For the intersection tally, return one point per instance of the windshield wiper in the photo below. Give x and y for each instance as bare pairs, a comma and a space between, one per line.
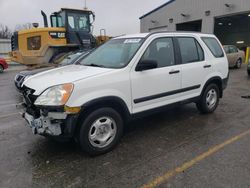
93, 65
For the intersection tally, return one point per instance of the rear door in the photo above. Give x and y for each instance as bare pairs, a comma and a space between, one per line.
194, 67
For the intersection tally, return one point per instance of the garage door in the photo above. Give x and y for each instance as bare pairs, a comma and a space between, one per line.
234, 30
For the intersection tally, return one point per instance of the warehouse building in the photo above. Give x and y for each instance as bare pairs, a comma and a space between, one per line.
229, 20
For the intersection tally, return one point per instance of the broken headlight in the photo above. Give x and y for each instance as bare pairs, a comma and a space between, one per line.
55, 96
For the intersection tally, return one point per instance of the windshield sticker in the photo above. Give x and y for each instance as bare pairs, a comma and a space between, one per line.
132, 41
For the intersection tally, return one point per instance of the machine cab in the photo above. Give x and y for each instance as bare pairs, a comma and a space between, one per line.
78, 26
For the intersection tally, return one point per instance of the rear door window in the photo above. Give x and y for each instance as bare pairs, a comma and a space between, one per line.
213, 46
191, 50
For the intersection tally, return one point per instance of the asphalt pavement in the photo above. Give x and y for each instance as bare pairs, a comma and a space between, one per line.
176, 148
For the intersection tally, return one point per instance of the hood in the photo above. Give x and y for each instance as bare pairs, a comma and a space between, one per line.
33, 72
67, 74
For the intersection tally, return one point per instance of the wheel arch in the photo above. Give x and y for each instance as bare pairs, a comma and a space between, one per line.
216, 80
110, 101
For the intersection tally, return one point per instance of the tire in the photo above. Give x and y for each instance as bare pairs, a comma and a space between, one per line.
248, 72
238, 64
1, 69
101, 131
209, 99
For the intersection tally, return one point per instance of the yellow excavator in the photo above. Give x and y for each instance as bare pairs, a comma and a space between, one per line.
70, 30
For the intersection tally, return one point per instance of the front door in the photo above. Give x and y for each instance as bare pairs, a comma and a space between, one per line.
159, 86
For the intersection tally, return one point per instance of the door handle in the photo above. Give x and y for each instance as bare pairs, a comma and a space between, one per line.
174, 72
207, 66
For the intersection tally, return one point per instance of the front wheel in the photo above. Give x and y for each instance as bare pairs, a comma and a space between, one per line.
101, 131
209, 99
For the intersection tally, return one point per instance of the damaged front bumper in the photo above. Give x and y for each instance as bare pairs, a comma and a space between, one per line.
46, 125
55, 124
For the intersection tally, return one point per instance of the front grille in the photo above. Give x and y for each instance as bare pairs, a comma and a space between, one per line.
14, 41
19, 77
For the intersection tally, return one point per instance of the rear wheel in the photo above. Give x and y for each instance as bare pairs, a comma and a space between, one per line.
1, 68
209, 99
238, 64
101, 131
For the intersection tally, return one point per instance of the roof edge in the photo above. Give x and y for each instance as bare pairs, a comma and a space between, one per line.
154, 10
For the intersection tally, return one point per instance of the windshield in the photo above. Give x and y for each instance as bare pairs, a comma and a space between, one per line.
115, 53
78, 22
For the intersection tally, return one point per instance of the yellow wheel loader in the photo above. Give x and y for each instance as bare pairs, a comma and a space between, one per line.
70, 30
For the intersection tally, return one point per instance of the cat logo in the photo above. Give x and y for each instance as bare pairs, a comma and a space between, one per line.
57, 35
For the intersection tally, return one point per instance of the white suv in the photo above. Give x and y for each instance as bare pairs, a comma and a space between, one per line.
127, 76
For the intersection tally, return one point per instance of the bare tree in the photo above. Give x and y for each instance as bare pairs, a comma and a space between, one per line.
23, 26
5, 32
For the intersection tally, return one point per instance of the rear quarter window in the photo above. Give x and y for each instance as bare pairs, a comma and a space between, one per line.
213, 46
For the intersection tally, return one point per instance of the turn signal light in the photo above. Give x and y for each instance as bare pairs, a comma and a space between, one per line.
72, 110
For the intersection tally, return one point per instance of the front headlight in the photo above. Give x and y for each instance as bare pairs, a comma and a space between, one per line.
55, 96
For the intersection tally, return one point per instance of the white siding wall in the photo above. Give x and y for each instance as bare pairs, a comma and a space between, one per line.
196, 9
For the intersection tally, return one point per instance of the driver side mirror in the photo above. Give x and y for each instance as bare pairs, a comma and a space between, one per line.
146, 65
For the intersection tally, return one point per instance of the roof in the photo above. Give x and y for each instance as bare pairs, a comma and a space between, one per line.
154, 10
139, 35
145, 35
